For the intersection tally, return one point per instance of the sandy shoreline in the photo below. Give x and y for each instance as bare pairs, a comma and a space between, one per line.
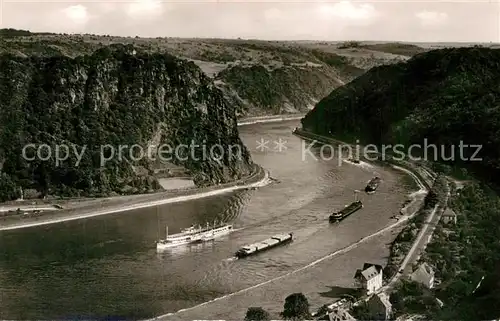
98, 207
269, 119
74, 209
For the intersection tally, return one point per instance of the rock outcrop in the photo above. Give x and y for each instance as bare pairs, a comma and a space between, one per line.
117, 96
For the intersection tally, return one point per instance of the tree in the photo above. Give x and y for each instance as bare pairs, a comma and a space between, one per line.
8, 189
296, 307
257, 314
362, 312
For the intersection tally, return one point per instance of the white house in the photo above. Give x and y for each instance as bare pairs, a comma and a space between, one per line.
449, 216
424, 274
370, 277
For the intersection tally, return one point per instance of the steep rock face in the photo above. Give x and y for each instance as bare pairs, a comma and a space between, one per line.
286, 89
447, 96
116, 97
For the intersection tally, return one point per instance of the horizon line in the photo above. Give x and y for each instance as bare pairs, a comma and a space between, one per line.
52, 33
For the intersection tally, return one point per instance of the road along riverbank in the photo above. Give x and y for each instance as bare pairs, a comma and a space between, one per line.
258, 178
423, 180
424, 174
72, 209
269, 119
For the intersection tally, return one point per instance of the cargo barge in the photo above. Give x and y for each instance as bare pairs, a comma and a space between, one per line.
372, 185
265, 245
348, 210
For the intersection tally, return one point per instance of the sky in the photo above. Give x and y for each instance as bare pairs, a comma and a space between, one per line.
403, 20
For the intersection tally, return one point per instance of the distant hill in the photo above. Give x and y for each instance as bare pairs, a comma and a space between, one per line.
11, 33
257, 77
445, 96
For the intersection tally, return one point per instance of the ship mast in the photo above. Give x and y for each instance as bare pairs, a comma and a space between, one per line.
158, 225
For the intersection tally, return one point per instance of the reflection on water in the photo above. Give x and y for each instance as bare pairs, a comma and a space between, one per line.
184, 249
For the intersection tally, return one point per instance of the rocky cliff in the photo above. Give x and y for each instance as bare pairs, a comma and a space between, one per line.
261, 90
444, 97
93, 104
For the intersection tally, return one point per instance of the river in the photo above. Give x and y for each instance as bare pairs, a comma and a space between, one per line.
107, 266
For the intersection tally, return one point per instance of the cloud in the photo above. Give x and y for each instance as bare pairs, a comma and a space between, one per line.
432, 18
402, 20
348, 11
145, 9
273, 14
106, 7
77, 14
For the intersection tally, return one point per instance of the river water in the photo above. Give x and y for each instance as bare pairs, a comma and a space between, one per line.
107, 266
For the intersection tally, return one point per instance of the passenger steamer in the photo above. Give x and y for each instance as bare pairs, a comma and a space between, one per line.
193, 234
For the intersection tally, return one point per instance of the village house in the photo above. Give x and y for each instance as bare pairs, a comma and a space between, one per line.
369, 278
424, 275
449, 216
379, 307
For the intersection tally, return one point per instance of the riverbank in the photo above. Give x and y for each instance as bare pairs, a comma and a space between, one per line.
425, 175
310, 278
420, 213
36, 212
96, 207
269, 119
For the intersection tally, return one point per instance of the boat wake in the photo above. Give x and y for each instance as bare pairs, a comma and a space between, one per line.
230, 259
264, 182
361, 164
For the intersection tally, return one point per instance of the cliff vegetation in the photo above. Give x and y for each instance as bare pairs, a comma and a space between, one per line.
118, 96
466, 260
445, 97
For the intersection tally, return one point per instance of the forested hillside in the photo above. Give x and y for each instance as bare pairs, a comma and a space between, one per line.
446, 97
116, 96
